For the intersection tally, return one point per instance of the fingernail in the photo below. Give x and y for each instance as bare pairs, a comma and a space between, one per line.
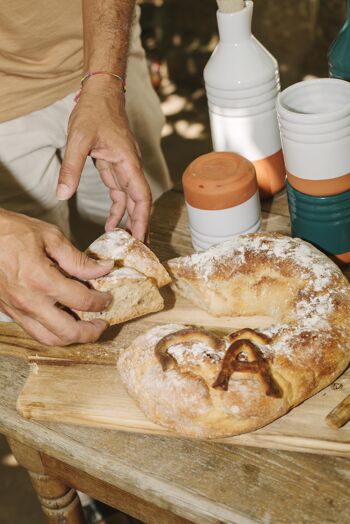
109, 225
63, 192
106, 263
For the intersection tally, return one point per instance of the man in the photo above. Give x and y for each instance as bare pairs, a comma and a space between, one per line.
44, 51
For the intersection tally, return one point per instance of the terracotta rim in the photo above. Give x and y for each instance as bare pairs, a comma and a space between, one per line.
329, 187
342, 259
219, 180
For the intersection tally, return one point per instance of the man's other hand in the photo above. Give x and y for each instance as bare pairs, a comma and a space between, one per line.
98, 127
36, 263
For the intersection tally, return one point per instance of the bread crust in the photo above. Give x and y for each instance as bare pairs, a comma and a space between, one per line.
306, 348
127, 251
134, 281
134, 295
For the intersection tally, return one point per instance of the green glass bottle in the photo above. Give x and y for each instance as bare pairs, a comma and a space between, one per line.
339, 52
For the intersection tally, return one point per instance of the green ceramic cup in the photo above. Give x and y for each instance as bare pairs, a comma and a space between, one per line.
322, 221
338, 54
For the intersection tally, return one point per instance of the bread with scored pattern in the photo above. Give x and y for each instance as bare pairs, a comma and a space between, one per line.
178, 376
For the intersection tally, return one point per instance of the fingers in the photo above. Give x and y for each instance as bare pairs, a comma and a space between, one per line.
34, 328
73, 261
105, 172
73, 294
140, 220
127, 190
118, 196
128, 177
138, 197
64, 326
117, 210
77, 150
54, 327
140, 194
66, 291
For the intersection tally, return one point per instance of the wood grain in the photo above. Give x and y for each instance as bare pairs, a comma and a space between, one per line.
63, 389
132, 505
95, 396
340, 415
59, 503
204, 482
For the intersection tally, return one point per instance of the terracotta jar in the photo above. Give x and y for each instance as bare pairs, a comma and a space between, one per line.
222, 198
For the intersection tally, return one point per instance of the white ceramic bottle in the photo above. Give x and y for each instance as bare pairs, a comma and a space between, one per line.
242, 84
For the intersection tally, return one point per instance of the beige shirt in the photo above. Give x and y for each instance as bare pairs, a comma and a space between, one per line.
41, 53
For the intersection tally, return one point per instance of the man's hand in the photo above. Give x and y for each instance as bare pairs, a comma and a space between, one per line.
32, 287
98, 127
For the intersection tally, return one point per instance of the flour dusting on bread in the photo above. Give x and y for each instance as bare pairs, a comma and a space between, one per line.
249, 379
134, 281
113, 245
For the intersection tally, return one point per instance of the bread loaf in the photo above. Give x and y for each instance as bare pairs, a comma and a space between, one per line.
203, 385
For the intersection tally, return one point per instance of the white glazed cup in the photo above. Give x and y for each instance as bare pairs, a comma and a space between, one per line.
314, 129
315, 101
211, 227
314, 119
320, 139
317, 161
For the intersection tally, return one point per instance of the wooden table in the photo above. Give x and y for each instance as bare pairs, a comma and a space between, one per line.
171, 480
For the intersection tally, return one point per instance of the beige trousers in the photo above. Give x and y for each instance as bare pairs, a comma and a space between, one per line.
32, 146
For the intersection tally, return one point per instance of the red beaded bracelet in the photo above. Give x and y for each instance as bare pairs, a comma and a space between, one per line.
94, 73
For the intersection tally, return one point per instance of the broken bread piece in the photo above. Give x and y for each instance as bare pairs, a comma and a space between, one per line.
118, 245
134, 295
133, 282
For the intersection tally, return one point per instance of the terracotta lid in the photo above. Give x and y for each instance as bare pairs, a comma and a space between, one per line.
219, 181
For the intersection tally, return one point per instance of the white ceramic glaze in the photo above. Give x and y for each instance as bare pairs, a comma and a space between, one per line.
246, 92
320, 138
315, 129
314, 119
239, 61
210, 227
242, 84
321, 161
315, 101
269, 105
245, 104
254, 137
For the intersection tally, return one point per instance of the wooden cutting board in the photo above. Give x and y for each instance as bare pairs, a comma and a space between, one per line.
80, 385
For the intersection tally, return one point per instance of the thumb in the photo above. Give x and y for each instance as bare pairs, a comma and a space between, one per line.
72, 167
75, 262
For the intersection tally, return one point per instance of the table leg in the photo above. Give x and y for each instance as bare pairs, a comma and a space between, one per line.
60, 503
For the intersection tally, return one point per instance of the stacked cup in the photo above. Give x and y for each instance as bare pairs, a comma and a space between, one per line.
314, 119
222, 199
242, 84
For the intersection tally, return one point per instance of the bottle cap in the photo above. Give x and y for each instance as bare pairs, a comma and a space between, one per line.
230, 6
219, 181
